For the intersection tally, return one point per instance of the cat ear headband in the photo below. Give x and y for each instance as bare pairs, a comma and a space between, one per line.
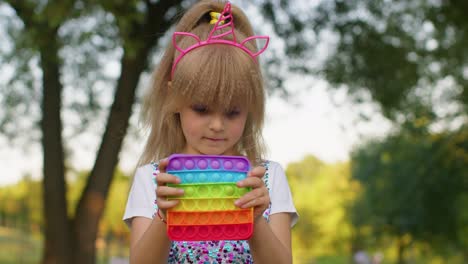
221, 20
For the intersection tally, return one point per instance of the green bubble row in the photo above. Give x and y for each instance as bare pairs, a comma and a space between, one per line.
210, 191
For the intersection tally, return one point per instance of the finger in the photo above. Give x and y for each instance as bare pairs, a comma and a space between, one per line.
246, 198
164, 178
162, 165
253, 182
166, 204
255, 202
258, 171
164, 191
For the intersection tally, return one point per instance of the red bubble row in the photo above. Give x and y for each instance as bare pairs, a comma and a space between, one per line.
210, 232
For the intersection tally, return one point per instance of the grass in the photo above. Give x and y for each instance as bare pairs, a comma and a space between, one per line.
19, 247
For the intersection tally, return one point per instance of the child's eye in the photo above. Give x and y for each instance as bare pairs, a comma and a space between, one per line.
199, 108
233, 113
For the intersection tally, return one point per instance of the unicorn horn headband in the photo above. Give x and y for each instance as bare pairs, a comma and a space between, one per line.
225, 20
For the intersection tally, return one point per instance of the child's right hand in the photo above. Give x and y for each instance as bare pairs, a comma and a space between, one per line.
162, 190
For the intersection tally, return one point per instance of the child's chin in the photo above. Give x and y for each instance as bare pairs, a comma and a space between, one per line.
213, 152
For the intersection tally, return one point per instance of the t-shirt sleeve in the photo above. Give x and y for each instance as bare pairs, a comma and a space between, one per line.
142, 195
280, 193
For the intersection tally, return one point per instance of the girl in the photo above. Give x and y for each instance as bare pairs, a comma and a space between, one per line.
208, 98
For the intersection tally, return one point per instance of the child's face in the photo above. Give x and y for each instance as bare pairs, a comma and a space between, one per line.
212, 131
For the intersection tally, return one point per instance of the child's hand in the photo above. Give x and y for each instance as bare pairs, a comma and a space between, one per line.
258, 197
162, 191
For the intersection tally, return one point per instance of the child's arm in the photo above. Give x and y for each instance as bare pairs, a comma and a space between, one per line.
270, 242
149, 242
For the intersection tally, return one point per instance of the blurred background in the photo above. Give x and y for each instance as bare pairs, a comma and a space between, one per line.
367, 112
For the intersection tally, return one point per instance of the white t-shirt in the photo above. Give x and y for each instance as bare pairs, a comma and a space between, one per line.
143, 193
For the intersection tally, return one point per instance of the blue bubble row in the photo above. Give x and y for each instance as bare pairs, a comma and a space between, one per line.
208, 176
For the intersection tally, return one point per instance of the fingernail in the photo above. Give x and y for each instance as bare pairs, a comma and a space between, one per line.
237, 202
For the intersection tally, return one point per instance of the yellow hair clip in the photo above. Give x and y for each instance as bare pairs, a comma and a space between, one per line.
215, 17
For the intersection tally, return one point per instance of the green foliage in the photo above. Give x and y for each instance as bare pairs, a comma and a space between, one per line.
58, 52
87, 39
321, 194
414, 183
25, 248
401, 52
18, 247
21, 204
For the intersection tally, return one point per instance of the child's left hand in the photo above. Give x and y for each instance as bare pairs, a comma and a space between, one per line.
258, 197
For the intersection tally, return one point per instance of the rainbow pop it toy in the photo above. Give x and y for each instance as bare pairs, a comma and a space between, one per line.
206, 211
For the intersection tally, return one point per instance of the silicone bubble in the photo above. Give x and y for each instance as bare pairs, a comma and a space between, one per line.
216, 232
206, 210
203, 232
244, 216
191, 232
229, 231
244, 230
229, 216
176, 232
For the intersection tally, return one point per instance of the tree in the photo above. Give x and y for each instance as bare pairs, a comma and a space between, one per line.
410, 58
73, 241
414, 187
403, 53
131, 29
321, 195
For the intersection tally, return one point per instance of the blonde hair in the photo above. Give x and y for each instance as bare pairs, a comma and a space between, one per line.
220, 76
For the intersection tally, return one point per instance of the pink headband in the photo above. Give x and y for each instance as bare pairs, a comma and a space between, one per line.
226, 20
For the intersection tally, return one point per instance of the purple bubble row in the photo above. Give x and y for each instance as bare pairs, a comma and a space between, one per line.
195, 162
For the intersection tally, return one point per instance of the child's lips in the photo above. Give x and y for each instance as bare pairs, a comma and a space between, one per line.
214, 139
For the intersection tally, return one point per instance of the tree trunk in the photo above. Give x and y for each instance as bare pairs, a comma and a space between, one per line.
91, 205
92, 202
57, 248
401, 250
64, 242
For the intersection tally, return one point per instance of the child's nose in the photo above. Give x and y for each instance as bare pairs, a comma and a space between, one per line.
217, 122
